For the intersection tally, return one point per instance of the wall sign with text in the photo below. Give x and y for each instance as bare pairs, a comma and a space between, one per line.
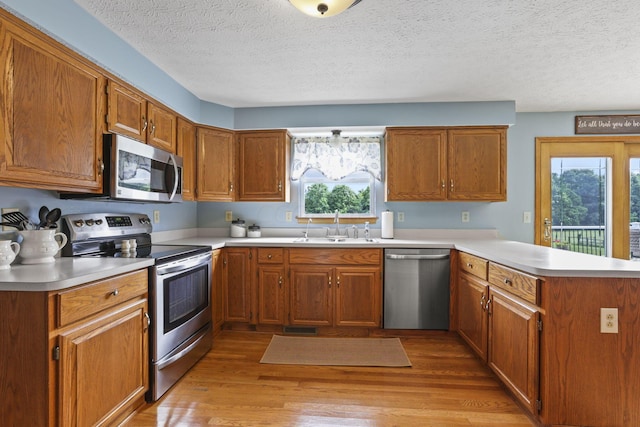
607, 124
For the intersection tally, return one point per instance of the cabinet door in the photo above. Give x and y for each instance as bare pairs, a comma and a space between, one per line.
217, 290
104, 367
186, 146
477, 164
472, 317
52, 109
271, 295
415, 164
513, 345
215, 165
262, 166
127, 112
358, 296
162, 128
310, 295
237, 285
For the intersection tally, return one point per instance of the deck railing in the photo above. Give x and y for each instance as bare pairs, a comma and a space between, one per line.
584, 239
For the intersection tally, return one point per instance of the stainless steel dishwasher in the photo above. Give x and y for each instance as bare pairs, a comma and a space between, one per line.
416, 288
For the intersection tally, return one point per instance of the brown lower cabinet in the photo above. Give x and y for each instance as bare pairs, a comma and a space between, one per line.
304, 287
541, 337
75, 357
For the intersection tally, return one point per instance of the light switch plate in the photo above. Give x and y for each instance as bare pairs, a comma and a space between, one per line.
466, 217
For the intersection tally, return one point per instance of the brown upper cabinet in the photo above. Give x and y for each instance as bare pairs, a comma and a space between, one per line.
243, 166
215, 181
263, 166
52, 104
131, 114
186, 146
466, 163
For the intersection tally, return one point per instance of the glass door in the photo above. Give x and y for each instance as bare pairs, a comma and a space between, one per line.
582, 195
581, 204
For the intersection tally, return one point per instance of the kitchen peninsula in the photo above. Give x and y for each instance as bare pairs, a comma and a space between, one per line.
555, 363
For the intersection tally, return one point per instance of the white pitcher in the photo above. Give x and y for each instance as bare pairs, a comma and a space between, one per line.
40, 246
8, 252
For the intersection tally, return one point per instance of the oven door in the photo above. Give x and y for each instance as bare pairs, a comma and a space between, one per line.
181, 302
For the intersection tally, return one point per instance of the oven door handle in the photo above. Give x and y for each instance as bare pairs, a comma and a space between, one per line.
179, 355
183, 264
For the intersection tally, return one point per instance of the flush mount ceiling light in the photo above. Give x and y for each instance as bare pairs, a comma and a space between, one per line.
323, 8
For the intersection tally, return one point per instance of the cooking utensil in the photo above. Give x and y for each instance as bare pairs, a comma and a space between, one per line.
42, 215
52, 218
15, 225
15, 217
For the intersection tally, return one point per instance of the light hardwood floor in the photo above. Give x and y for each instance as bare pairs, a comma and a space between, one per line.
446, 387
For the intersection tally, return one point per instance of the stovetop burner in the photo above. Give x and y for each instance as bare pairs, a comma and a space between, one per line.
105, 235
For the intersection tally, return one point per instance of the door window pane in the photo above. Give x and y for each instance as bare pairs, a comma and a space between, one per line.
580, 204
634, 211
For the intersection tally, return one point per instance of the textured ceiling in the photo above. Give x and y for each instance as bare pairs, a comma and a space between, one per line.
546, 55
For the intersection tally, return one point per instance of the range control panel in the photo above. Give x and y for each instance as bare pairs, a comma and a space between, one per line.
93, 225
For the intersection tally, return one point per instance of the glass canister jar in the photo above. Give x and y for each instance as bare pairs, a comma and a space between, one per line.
238, 228
254, 231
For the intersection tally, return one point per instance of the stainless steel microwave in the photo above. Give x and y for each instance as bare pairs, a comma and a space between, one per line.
135, 171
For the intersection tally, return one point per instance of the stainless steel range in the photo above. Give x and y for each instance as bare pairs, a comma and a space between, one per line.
179, 288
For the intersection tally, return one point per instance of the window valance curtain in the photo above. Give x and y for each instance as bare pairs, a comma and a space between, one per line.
336, 159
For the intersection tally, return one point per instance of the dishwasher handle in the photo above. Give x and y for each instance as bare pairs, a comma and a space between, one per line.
418, 257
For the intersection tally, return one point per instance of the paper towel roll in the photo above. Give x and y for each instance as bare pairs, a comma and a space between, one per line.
387, 225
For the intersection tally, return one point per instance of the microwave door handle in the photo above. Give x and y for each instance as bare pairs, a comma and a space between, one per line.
176, 178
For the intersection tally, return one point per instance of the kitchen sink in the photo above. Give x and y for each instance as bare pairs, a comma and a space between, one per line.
334, 239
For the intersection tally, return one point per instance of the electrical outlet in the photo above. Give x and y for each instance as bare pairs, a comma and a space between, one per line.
526, 217
288, 216
228, 216
156, 217
466, 217
609, 320
400, 216
6, 211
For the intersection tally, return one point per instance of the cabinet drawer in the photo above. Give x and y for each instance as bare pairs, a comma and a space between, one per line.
474, 265
270, 255
335, 256
78, 303
515, 282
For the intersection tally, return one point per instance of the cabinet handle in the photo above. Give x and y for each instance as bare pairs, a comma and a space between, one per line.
507, 282
329, 281
145, 123
443, 185
451, 185
153, 128
101, 167
115, 292
338, 281
146, 315
482, 298
279, 185
280, 282
230, 187
488, 306
269, 256
469, 265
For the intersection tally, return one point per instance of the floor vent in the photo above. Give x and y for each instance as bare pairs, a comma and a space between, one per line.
299, 330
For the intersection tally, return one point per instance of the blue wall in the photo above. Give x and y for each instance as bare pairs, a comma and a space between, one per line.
73, 26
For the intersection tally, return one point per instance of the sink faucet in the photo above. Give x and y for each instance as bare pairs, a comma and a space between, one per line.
336, 221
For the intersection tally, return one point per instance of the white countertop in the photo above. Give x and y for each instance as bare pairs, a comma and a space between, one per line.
533, 259
66, 272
